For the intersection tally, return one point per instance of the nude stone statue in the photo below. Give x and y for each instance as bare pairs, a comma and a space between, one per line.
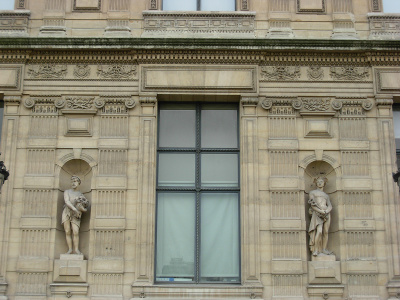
320, 218
75, 205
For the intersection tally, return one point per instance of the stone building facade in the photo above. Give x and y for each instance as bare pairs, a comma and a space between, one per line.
126, 94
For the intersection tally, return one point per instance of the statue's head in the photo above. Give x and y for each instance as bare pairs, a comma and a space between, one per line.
320, 181
75, 181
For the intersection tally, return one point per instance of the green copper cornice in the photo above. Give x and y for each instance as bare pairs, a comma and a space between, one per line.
191, 43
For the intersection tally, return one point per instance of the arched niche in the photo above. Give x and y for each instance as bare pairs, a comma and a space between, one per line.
324, 169
83, 170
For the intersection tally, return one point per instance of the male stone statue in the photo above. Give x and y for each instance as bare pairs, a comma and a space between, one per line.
75, 204
320, 218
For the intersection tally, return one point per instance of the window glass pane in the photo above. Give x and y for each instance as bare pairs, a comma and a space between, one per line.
219, 169
176, 169
180, 5
175, 237
218, 127
1, 117
220, 5
219, 258
396, 124
177, 126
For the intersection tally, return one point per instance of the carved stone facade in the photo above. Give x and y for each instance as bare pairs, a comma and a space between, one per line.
84, 83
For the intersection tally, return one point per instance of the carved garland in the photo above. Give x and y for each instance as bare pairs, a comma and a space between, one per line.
319, 104
349, 73
280, 73
79, 102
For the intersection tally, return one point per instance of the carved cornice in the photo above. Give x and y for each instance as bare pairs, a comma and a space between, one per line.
200, 43
249, 100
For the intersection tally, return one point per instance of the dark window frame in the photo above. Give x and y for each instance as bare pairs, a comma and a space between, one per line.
198, 190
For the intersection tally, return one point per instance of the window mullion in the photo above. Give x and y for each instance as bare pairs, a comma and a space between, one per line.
198, 5
198, 174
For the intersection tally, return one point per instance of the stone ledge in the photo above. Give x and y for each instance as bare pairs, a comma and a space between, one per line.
195, 292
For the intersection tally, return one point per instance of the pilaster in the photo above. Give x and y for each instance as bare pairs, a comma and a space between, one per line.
146, 185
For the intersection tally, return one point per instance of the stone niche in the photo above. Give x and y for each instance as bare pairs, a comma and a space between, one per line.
324, 269
84, 172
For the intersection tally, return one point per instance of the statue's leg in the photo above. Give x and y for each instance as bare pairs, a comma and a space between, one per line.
325, 233
67, 228
318, 240
75, 234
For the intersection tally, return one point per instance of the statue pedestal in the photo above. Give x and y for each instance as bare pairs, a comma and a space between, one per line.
70, 272
70, 268
324, 277
3, 288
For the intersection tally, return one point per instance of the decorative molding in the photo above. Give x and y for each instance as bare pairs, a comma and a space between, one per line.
349, 73
117, 27
280, 73
14, 23
47, 71
10, 77
315, 73
80, 5
127, 100
116, 71
82, 71
21, 4
245, 4
315, 6
79, 102
316, 104
287, 104
199, 78
153, 4
280, 29
12, 99
376, 5
384, 26
198, 24
387, 80
53, 27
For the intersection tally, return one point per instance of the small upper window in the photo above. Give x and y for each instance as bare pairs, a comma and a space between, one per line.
200, 5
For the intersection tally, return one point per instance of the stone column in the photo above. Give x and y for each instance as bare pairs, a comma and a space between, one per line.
390, 191
8, 155
250, 203
145, 227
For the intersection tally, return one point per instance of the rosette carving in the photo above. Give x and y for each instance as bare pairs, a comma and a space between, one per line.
297, 104
99, 103
367, 104
130, 103
337, 104
29, 102
266, 103
59, 103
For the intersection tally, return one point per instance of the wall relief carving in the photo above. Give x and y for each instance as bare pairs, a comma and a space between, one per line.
79, 102
47, 71
315, 73
280, 73
349, 73
316, 104
116, 71
82, 71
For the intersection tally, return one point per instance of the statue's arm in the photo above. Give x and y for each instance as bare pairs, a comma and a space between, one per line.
67, 200
313, 206
328, 201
